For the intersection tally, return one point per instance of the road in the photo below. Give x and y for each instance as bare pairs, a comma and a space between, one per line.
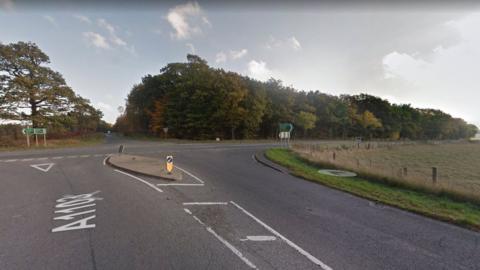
66, 209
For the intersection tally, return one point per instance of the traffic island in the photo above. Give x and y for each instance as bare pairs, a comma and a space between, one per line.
143, 165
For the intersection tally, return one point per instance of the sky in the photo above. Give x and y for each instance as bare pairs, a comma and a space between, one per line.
427, 56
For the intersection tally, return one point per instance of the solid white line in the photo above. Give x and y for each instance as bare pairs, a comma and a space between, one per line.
232, 248
180, 184
105, 160
194, 177
290, 243
205, 203
141, 180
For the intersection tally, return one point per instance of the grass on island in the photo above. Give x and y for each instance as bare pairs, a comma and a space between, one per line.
78, 141
463, 213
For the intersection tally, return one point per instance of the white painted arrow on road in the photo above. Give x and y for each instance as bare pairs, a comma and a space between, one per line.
44, 167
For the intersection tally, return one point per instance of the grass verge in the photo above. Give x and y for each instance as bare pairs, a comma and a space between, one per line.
465, 214
87, 140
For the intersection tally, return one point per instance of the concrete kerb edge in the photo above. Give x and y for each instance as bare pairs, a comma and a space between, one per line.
107, 161
266, 164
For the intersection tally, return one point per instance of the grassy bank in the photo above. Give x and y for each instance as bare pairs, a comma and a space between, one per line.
466, 214
86, 140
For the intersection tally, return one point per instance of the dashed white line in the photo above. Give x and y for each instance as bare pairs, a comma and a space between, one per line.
59, 157
232, 248
72, 156
187, 211
180, 184
10, 160
27, 159
42, 158
141, 180
259, 238
84, 156
194, 177
290, 243
98, 155
205, 203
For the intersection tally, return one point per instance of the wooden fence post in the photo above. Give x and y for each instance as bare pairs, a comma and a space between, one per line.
434, 175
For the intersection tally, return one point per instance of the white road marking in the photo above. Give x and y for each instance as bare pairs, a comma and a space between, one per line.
205, 203
180, 184
27, 159
78, 202
232, 248
72, 156
59, 157
105, 160
42, 158
259, 238
10, 160
141, 180
223, 241
194, 177
98, 155
45, 167
290, 243
84, 156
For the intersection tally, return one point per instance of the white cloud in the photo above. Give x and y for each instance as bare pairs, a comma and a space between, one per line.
190, 47
113, 40
294, 43
83, 18
259, 70
96, 40
50, 19
291, 43
447, 75
221, 57
105, 107
238, 54
6, 5
186, 20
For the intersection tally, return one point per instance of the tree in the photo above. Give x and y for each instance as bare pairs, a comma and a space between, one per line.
306, 121
29, 90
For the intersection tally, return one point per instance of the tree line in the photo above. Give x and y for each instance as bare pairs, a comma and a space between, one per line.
37, 96
196, 101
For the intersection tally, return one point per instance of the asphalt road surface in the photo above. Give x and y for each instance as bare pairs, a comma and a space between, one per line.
66, 209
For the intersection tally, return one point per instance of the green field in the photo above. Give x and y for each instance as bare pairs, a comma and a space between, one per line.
437, 206
457, 164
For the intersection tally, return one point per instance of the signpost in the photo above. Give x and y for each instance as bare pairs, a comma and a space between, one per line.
36, 132
284, 135
165, 131
169, 161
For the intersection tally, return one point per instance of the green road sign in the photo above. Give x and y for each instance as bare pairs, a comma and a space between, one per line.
285, 127
39, 131
27, 131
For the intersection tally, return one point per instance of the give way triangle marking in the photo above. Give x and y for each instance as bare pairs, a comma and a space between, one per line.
43, 167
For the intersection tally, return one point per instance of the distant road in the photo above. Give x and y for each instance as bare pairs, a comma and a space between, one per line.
65, 209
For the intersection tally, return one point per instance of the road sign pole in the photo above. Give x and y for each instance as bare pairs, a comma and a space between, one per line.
45, 139
36, 140
28, 140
